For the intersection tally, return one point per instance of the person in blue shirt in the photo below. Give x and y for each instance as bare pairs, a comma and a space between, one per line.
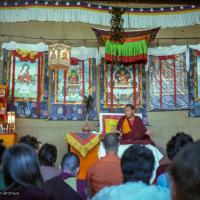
175, 144
137, 164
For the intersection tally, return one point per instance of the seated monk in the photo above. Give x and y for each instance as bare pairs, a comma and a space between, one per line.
132, 129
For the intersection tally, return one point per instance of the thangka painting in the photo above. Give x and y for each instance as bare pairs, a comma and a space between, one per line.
168, 82
194, 83
26, 74
25, 80
69, 87
123, 85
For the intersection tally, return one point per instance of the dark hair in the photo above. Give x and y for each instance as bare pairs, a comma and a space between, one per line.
21, 167
130, 106
2, 149
185, 173
137, 164
70, 161
47, 155
30, 140
176, 143
111, 142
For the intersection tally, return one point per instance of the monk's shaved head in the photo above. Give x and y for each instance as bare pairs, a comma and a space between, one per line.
129, 106
111, 143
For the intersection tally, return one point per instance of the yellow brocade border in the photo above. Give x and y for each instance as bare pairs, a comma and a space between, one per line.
82, 149
24, 53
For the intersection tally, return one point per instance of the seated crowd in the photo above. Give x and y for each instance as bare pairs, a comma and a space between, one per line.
29, 172
28, 169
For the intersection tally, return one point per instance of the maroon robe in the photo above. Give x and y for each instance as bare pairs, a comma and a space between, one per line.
137, 134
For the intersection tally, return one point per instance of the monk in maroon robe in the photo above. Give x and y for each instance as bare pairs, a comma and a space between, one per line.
132, 129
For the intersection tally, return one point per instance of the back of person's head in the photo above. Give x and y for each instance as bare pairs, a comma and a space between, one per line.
31, 141
137, 164
47, 155
176, 143
111, 143
2, 149
21, 167
185, 173
70, 163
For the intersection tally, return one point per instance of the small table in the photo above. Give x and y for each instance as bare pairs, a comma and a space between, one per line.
8, 139
85, 146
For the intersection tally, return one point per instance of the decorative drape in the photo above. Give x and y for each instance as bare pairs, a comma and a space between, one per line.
132, 50
65, 11
128, 52
194, 86
68, 88
121, 85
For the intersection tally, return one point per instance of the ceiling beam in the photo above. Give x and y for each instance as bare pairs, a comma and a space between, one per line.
170, 2
176, 2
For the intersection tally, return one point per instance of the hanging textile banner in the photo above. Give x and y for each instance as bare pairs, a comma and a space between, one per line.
130, 35
132, 50
194, 89
26, 74
168, 82
123, 85
68, 88
86, 12
128, 52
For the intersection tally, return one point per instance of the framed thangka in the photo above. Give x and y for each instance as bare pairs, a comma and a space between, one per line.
123, 85
168, 82
26, 74
68, 86
194, 82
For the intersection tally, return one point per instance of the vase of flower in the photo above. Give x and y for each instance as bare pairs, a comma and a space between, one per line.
88, 101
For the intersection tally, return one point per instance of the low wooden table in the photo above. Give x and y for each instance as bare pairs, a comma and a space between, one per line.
8, 138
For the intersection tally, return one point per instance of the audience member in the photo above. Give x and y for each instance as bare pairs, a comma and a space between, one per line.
137, 165
70, 167
185, 173
107, 170
47, 157
31, 141
22, 174
2, 149
175, 144
66, 185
